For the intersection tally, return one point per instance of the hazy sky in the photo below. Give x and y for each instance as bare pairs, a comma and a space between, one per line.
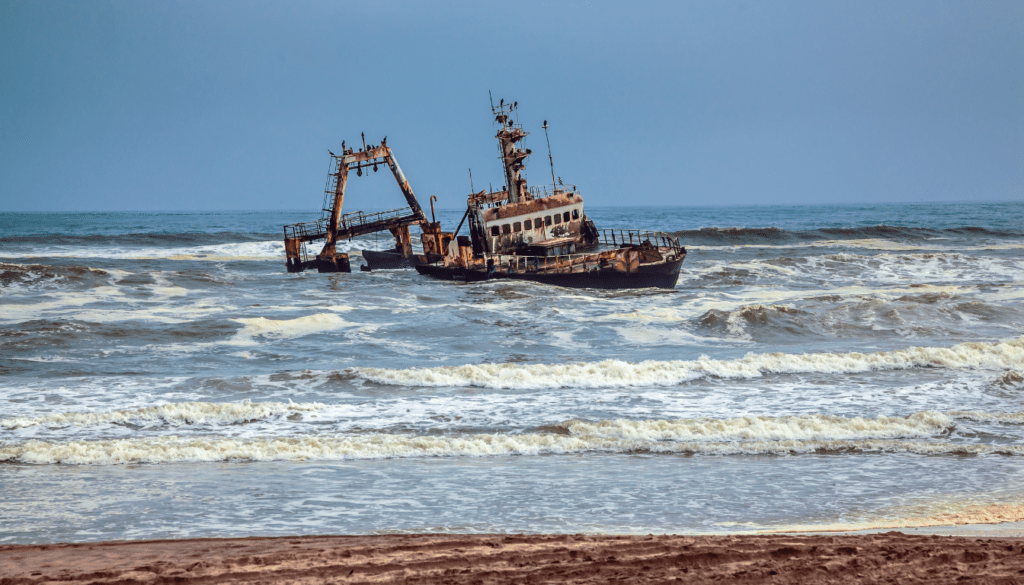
232, 105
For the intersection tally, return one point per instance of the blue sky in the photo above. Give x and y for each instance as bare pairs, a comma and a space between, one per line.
108, 106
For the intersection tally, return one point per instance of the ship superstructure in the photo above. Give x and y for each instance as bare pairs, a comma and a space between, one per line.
518, 217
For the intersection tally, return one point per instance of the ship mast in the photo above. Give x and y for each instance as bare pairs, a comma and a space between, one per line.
550, 160
512, 156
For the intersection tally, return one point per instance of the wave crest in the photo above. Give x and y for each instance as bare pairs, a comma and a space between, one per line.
738, 235
178, 413
177, 449
816, 426
616, 373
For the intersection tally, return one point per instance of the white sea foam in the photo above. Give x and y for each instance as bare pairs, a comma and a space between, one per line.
762, 428
997, 417
298, 327
163, 288
730, 436
614, 373
266, 250
892, 269
61, 302
866, 244
384, 446
178, 413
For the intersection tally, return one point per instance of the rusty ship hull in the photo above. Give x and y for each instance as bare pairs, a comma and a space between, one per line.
662, 275
622, 259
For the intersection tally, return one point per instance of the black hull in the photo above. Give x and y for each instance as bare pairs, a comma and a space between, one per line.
386, 260
340, 263
393, 260
662, 275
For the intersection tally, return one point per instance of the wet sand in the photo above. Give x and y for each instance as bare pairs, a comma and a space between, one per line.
863, 558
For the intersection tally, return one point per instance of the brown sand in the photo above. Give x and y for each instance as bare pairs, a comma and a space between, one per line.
868, 558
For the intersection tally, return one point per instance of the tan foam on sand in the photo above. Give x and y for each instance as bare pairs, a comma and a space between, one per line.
959, 515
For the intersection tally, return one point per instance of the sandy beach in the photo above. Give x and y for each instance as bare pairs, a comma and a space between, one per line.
864, 558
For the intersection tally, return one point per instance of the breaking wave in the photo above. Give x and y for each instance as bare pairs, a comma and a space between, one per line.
744, 235
615, 373
988, 417
382, 446
34, 273
139, 239
916, 433
179, 413
762, 428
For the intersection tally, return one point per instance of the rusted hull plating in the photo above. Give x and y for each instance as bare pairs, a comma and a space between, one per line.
630, 259
663, 275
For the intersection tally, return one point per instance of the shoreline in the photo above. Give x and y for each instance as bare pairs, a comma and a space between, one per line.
986, 556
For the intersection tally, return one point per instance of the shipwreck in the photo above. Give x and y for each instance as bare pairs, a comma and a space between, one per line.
519, 231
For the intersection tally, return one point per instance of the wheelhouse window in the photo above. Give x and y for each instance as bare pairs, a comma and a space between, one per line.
575, 213
566, 216
495, 230
547, 220
506, 229
558, 219
517, 227
528, 224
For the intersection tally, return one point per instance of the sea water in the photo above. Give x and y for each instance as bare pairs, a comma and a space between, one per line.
162, 375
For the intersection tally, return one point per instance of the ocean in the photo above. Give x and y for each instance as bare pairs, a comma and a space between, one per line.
163, 376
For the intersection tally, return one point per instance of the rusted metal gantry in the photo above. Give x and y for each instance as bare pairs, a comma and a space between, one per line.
334, 226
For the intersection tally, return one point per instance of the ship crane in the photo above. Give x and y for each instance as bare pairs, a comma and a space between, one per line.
333, 226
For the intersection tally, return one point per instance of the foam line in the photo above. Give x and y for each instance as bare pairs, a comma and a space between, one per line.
382, 446
615, 373
922, 425
743, 435
178, 413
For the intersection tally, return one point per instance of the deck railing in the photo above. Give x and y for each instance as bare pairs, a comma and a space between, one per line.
517, 262
542, 191
612, 237
359, 219
307, 231
317, 230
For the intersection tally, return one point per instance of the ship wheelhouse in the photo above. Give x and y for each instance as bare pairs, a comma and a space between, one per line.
508, 227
